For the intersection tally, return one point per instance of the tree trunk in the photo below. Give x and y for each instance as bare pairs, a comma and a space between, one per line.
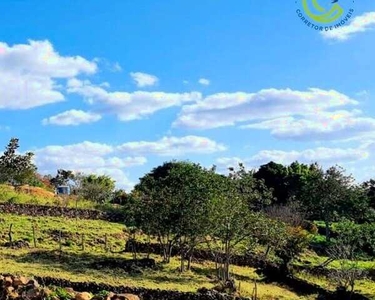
226, 276
189, 260
10, 235
182, 266
267, 252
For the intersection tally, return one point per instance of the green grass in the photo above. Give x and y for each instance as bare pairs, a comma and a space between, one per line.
47, 232
75, 263
364, 287
75, 266
8, 195
315, 260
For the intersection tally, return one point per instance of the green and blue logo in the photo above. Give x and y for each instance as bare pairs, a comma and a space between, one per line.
325, 16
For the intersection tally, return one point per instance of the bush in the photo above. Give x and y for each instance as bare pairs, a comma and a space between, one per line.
12, 200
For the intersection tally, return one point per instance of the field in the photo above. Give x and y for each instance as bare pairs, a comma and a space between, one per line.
69, 248
39, 196
76, 265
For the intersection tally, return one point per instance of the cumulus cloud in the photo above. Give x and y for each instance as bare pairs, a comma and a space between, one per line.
358, 24
28, 74
229, 109
114, 160
321, 126
314, 114
72, 117
88, 157
129, 106
204, 81
144, 79
323, 155
174, 146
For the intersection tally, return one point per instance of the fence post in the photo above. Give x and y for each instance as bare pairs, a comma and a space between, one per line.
60, 242
106, 242
34, 239
10, 235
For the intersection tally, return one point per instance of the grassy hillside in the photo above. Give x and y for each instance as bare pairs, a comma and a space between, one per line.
102, 239
76, 265
40, 196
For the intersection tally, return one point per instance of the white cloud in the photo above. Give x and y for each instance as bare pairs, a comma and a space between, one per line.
88, 157
322, 155
337, 125
229, 109
174, 146
358, 24
204, 81
72, 117
116, 67
314, 114
28, 74
114, 160
129, 106
144, 79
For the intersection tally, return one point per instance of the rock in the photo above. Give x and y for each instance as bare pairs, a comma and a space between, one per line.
110, 295
34, 294
20, 281
7, 281
125, 297
33, 283
70, 291
83, 296
47, 292
13, 295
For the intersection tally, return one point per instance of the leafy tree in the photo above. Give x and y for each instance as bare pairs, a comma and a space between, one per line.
63, 177
356, 205
96, 188
275, 177
16, 169
172, 204
369, 187
298, 175
286, 182
272, 234
346, 250
325, 194
233, 223
293, 241
120, 197
253, 190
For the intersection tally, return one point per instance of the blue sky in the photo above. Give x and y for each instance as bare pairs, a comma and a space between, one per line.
119, 88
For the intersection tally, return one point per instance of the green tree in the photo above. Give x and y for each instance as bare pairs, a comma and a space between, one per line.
16, 169
293, 241
233, 223
96, 188
275, 178
172, 205
286, 182
369, 188
63, 177
325, 194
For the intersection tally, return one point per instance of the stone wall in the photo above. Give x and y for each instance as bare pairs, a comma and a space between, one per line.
56, 211
94, 288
